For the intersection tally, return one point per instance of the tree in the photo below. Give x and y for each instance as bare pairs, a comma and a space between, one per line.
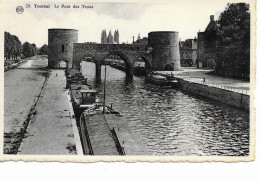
12, 46
34, 49
27, 50
44, 50
233, 36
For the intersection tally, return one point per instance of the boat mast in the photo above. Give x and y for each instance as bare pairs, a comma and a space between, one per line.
105, 89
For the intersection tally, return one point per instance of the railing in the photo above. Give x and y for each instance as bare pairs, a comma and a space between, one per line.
204, 82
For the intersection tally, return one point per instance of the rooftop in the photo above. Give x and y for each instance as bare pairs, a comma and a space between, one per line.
62, 29
164, 32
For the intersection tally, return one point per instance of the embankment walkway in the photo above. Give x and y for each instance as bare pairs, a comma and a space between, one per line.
50, 131
194, 74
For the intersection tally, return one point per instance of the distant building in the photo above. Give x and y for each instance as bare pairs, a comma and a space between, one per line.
143, 41
188, 52
138, 38
109, 38
207, 51
104, 36
116, 37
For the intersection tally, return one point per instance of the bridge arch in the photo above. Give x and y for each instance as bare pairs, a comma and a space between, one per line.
95, 61
88, 55
63, 64
128, 63
148, 64
129, 53
169, 67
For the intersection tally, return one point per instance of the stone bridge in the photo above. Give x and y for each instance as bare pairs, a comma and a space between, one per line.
161, 52
129, 53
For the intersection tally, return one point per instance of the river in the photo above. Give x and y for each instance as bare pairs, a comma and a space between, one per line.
171, 122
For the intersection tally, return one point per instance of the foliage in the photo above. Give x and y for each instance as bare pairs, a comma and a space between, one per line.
44, 50
233, 39
12, 46
28, 49
34, 49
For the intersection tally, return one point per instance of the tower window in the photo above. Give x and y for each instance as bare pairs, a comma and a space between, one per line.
63, 48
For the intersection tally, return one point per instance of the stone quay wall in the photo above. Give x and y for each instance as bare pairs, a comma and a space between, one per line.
231, 98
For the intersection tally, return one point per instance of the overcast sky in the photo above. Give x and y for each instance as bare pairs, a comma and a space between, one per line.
187, 17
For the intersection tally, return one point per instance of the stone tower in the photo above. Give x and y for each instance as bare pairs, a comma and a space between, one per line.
166, 53
60, 43
110, 37
104, 36
116, 36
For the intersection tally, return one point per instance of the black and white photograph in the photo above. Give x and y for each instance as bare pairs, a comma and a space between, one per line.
126, 81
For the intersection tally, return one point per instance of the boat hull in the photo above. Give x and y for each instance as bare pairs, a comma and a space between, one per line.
78, 111
162, 82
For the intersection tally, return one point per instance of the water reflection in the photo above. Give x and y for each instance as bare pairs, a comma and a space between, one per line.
170, 122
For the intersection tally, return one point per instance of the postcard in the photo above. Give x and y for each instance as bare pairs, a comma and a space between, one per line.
128, 81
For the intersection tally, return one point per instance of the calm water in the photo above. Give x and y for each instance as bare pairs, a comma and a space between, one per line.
170, 122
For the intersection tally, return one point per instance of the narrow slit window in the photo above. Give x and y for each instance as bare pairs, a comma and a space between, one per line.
63, 48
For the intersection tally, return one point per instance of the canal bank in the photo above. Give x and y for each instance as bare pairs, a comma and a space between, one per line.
230, 91
23, 87
229, 97
51, 131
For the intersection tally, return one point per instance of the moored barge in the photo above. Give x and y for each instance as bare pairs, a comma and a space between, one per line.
82, 97
162, 79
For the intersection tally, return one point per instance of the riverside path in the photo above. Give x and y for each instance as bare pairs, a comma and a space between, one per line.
50, 130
